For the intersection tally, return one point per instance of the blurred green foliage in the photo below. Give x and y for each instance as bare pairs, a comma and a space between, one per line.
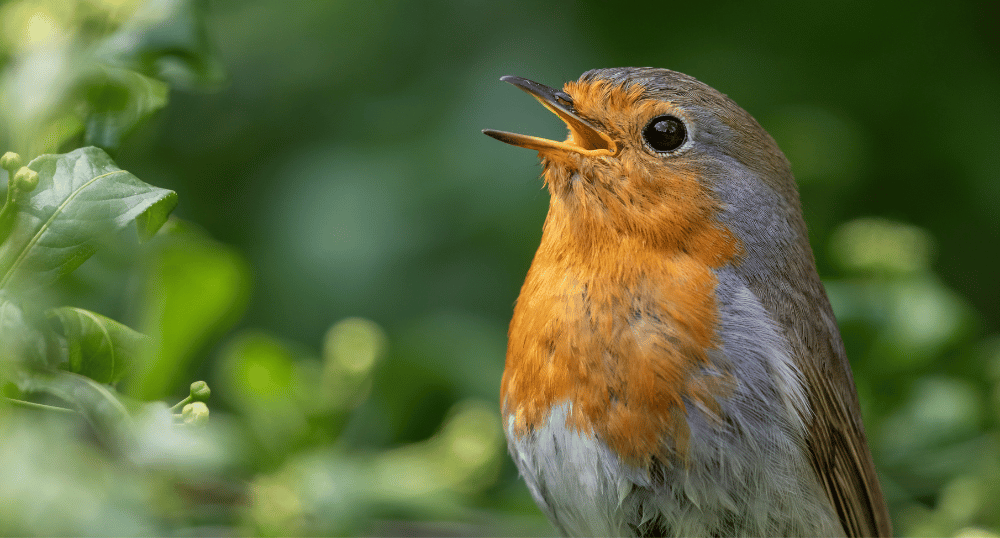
350, 246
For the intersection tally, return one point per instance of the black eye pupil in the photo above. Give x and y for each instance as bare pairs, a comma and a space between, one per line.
665, 133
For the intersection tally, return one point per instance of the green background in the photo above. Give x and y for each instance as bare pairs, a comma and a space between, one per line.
329, 160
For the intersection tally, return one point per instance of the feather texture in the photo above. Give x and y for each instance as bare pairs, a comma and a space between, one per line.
673, 364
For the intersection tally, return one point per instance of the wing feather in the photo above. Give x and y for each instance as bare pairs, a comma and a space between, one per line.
835, 435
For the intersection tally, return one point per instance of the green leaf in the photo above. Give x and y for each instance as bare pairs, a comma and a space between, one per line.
98, 347
119, 100
98, 403
168, 40
81, 199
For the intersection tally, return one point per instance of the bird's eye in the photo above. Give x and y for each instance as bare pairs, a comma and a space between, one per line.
664, 133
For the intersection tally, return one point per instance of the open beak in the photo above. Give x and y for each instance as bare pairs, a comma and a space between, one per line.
584, 138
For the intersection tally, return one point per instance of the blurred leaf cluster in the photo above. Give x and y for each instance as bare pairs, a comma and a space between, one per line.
347, 248
57, 210
915, 343
90, 71
88, 384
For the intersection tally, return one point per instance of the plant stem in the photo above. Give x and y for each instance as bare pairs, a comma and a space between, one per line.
43, 407
182, 403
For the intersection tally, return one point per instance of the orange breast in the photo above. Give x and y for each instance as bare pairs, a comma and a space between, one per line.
621, 330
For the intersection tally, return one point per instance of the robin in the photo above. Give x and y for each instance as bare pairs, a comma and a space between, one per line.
673, 365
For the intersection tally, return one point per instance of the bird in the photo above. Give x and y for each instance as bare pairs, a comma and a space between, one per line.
673, 365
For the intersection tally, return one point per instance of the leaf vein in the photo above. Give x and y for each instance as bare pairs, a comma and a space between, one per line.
24, 253
104, 331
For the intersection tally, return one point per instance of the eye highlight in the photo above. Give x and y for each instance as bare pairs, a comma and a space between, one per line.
665, 133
